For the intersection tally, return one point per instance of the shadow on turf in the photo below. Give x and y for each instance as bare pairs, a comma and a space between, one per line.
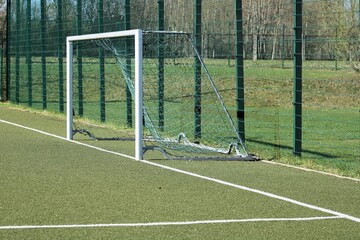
290, 148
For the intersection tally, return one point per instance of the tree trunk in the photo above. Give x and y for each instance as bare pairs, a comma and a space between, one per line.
273, 54
255, 47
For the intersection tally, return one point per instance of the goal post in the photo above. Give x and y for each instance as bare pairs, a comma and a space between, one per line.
175, 113
137, 33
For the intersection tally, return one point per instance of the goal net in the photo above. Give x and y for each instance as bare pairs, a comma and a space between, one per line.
151, 89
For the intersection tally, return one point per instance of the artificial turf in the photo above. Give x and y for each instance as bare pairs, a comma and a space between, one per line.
50, 181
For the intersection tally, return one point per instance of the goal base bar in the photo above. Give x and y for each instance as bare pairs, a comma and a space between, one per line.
204, 158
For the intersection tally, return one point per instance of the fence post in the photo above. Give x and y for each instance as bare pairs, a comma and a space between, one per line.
79, 58
240, 95
43, 54
197, 73
7, 52
60, 55
229, 45
297, 78
283, 47
17, 53
161, 27
28, 51
1, 73
128, 63
102, 62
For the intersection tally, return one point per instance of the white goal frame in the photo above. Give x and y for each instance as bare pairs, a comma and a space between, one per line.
137, 33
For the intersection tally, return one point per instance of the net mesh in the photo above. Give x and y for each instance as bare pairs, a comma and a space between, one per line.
183, 117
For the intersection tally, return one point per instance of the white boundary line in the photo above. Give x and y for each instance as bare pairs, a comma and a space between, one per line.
310, 170
166, 223
63, 138
274, 196
285, 199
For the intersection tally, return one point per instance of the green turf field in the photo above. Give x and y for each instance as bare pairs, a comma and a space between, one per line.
55, 189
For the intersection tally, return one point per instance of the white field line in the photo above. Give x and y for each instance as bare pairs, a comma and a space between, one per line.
310, 170
285, 199
166, 223
274, 196
63, 138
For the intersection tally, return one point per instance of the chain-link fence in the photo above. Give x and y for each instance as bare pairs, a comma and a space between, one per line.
330, 54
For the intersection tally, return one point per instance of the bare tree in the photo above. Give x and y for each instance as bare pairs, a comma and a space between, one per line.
179, 15
341, 27
349, 30
264, 20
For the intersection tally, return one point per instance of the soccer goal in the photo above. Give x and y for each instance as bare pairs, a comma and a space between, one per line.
151, 89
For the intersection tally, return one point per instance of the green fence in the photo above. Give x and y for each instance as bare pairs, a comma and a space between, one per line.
249, 50
1, 73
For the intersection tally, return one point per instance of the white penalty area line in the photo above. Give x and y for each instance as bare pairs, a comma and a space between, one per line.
154, 224
260, 192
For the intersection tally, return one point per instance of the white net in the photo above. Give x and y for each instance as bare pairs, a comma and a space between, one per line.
184, 115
